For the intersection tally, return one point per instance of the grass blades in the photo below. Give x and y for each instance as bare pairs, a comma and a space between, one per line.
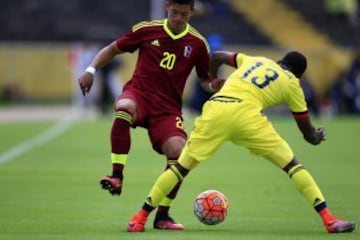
52, 191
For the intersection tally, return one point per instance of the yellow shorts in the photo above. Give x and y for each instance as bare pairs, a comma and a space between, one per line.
238, 122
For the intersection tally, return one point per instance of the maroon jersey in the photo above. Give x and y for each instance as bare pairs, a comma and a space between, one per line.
165, 61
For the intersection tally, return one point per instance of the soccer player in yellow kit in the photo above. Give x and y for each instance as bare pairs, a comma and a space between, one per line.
235, 114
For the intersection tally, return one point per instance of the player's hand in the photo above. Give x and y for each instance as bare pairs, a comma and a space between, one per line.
86, 82
216, 84
317, 137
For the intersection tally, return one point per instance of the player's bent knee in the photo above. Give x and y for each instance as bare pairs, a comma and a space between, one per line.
173, 147
127, 105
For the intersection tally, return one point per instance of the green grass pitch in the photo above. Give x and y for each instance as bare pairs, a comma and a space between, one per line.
51, 191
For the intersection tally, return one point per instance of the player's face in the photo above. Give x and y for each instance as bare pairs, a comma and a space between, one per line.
178, 16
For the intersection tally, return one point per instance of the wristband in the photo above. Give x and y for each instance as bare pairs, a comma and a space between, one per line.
210, 87
91, 70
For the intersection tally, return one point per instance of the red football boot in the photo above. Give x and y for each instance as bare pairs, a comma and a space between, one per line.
137, 223
340, 226
165, 222
112, 184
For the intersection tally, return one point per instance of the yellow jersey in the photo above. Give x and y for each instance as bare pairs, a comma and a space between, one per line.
264, 83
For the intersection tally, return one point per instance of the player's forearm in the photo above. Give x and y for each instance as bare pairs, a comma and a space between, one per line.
214, 67
307, 129
303, 122
218, 58
212, 85
105, 56
206, 85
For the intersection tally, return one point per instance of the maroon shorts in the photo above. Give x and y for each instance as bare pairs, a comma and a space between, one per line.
160, 125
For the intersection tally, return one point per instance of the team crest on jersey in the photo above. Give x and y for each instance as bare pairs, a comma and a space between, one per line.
187, 51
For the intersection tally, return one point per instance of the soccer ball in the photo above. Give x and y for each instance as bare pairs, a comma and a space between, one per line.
211, 207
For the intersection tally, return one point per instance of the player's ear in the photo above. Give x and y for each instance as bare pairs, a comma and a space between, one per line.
167, 5
193, 11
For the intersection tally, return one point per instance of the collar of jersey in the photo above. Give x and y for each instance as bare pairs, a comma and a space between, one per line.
175, 36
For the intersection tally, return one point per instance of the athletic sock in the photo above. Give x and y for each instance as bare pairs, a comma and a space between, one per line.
120, 142
145, 210
163, 185
306, 185
117, 170
325, 213
166, 202
163, 210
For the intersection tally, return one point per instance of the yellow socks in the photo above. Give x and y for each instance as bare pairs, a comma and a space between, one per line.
163, 185
306, 185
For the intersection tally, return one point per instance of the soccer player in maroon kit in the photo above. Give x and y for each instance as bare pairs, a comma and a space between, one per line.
168, 51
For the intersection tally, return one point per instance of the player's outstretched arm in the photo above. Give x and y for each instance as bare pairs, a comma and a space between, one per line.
311, 134
102, 58
218, 58
212, 85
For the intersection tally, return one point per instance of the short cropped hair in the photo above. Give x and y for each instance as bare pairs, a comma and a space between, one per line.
190, 2
295, 61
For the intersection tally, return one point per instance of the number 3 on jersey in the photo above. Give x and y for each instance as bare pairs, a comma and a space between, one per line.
168, 61
270, 75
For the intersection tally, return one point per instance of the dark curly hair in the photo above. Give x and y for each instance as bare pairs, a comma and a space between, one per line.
190, 2
294, 61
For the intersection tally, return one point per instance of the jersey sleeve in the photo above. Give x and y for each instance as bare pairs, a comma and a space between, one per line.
202, 70
131, 41
239, 59
296, 98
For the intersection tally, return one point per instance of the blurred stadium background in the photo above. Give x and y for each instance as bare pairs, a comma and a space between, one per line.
49, 169
45, 45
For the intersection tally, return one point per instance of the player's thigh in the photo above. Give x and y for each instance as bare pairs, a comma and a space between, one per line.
209, 132
280, 156
259, 136
163, 128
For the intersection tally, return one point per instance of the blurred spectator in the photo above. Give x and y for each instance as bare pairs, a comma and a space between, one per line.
215, 8
310, 96
219, 7
344, 10
199, 96
346, 89
352, 85
109, 86
337, 97
80, 56
10, 92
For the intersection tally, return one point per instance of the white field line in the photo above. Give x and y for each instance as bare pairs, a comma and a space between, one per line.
56, 130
